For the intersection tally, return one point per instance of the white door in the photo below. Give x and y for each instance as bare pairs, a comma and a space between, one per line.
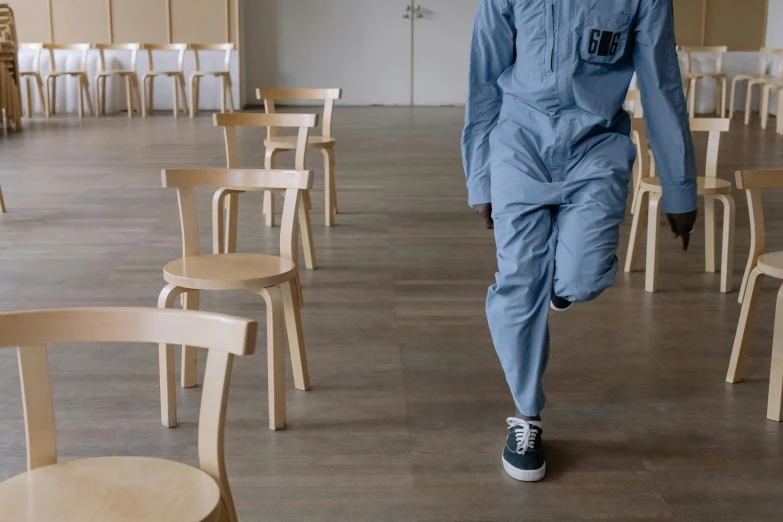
362, 46
443, 29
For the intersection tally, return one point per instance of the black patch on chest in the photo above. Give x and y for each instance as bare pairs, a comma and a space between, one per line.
604, 43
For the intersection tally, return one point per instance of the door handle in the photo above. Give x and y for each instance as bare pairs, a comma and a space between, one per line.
418, 11
407, 14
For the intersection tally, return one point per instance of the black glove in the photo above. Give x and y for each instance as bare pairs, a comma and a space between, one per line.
485, 211
682, 226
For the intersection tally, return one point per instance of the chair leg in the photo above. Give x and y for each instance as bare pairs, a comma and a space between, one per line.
269, 196
192, 86
2, 202
653, 222
168, 378
218, 221
144, 96
129, 96
222, 94
80, 101
53, 103
780, 111
765, 90
29, 93
727, 250
733, 97
136, 95
275, 357
190, 301
232, 216
631, 257
709, 234
692, 98
42, 98
98, 82
230, 94
723, 93
85, 83
329, 189
180, 79
747, 316
175, 97
749, 101
296, 343
306, 231
775, 400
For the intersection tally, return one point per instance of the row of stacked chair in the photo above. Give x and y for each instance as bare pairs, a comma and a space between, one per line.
140, 91
10, 96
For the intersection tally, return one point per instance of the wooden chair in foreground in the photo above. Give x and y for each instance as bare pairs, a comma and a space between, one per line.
765, 61
226, 93
81, 75
709, 187
121, 489
228, 199
760, 264
177, 76
34, 75
325, 143
131, 80
692, 78
261, 274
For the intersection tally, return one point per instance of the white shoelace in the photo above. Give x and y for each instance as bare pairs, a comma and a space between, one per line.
524, 433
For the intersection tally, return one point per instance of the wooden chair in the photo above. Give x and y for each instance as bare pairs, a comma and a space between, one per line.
121, 489
34, 76
261, 274
709, 187
224, 75
131, 80
765, 62
81, 75
10, 79
325, 143
692, 78
760, 264
177, 76
766, 93
229, 199
641, 166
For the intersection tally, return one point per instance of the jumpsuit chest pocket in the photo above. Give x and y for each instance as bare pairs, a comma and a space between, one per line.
604, 36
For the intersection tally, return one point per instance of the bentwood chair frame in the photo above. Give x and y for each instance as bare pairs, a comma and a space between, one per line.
325, 143
691, 78
266, 275
177, 77
230, 199
40, 494
226, 93
765, 62
34, 75
50, 80
641, 166
709, 187
131, 79
760, 264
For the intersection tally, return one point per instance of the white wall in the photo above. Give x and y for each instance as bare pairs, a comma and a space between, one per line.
774, 26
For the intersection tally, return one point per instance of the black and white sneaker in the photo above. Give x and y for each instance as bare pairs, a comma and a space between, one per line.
523, 457
559, 304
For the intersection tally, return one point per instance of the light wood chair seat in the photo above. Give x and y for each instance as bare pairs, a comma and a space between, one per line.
118, 488
706, 186
289, 142
229, 271
65, 73
210, 73
771, 264
116, 72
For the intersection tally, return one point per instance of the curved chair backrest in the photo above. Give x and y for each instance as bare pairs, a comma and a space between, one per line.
328, 96
715, 126
225, 336
179, 47
230, 121
84, 48
226, 47
292, 181
132, 47
753, 182
719, 51
38, 48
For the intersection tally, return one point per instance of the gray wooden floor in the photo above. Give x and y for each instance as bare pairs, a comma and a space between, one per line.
406, 419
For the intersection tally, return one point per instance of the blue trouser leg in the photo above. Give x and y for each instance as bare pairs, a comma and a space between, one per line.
560, 233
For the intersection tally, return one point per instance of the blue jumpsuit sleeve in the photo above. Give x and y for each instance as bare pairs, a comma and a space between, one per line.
665, 111
492, 53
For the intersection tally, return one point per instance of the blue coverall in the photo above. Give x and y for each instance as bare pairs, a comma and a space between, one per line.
547, 143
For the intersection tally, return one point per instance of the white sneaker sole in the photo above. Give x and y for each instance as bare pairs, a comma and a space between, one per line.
524, 475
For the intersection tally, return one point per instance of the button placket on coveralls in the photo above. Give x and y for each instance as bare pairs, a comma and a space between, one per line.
550, 148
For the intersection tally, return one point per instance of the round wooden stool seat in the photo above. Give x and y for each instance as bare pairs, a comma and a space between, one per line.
111, 489
706, 186
229, 271
771, 264
289, 142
